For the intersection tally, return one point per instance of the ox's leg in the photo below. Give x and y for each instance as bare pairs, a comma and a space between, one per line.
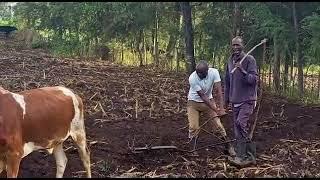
13, 164
78, 134
2, 166
80, 139
61, 160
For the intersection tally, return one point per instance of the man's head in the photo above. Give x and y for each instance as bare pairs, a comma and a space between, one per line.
202, 69
237, 45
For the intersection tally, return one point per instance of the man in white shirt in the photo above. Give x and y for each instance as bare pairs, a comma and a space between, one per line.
200, 100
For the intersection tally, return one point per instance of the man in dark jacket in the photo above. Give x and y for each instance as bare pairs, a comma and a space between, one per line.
241, 93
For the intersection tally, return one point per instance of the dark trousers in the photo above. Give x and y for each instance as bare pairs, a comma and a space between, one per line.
241, 116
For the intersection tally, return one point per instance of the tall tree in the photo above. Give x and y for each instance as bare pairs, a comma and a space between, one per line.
298, 50
276, 64
155, 40
186, 11
236, 19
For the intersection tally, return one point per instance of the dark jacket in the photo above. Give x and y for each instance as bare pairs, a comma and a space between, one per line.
241, 87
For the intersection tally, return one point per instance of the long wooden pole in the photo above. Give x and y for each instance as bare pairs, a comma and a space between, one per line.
259, 97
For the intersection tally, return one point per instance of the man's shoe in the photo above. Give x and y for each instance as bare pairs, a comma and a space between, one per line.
240, 163
245, 155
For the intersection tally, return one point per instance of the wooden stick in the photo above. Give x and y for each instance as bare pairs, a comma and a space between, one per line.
259, 99
212, 145
137, 108
93, 96
154, 148
256, 114
103, 111
151, 108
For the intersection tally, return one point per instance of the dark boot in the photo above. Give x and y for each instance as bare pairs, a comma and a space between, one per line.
193, 146
242, 159
251, 151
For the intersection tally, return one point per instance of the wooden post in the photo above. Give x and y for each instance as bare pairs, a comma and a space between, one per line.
263, 60
270, 70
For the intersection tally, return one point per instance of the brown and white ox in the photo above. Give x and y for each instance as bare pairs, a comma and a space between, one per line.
40, 118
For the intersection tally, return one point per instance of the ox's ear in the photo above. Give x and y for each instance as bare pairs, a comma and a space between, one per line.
3, 91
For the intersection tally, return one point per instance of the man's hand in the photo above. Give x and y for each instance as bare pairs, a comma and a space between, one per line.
228, 107
213, 106
219, 112
222, 112
238, 65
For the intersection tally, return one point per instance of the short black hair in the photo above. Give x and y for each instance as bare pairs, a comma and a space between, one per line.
203, 62
237, 38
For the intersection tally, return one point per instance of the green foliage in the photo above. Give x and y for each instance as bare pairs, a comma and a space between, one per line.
6, 15
311, 27
76, 28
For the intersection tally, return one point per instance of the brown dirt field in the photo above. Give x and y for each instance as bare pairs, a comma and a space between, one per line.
128, 106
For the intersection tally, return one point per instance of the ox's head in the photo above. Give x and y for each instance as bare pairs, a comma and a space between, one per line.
3, 137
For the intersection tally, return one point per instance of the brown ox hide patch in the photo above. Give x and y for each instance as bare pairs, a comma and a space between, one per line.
48, 116
10, 127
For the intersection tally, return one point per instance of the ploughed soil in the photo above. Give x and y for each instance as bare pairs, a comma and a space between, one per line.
131, 107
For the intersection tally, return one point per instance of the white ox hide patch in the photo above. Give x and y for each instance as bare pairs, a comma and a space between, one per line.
20, 100
75, 123
29, 147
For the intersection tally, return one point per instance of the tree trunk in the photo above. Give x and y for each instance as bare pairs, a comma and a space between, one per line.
291, 70
138, 47
155, 41
276, 65
219, 61
298, 50
174, 36
171, 44
176, 57
186, 11
133, 53
169, 49
319, 85
122, 52
195, 48
145, 48
214, 59
80, 49
151, 48
200, 51
286, 70
178, 44
231, 31
270, 73
263, 60
236, 19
